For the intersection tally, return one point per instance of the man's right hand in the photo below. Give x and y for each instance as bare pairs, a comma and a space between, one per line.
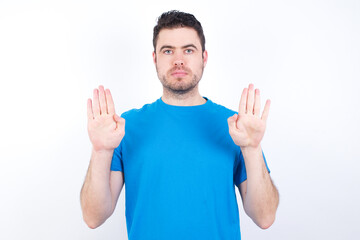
105, 128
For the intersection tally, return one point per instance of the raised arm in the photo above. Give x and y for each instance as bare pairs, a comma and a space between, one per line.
102, 187
259, 195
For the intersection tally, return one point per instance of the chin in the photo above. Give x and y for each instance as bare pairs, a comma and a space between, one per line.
179, 85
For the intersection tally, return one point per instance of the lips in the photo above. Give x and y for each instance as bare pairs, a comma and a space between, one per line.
179, 73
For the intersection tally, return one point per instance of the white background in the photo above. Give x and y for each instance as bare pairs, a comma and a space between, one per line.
303, 55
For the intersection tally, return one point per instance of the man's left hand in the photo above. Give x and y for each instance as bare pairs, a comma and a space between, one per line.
247, 128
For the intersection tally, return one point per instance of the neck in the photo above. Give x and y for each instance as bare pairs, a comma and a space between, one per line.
191, 98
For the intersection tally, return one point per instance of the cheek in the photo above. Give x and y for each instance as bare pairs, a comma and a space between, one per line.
161, 68
198, 66
162, 64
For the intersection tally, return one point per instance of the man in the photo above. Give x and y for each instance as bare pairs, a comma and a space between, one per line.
181, 155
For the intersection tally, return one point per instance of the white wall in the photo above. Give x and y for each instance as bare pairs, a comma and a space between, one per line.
303, 55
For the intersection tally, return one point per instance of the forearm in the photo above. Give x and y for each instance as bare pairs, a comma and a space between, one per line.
262, 198
95, 194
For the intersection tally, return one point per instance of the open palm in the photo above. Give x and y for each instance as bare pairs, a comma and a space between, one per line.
106, 129
247, 128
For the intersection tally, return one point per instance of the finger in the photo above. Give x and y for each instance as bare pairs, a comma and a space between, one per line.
265, 113
242, 104
250, 100
232, 121
90, 113
102, 100
120, 122
116, 118
109, 102
257, 103
96, 106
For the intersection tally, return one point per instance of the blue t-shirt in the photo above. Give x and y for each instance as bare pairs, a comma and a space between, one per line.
180, 169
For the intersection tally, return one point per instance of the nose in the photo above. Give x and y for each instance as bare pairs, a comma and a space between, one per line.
179, 62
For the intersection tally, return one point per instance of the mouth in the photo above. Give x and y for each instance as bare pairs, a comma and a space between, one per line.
179, 74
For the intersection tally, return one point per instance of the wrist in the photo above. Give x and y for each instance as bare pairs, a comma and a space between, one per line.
101, 160
102, 152
251, 150
254, 161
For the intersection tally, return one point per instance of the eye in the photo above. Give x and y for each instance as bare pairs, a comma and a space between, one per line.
189, 51
167, 52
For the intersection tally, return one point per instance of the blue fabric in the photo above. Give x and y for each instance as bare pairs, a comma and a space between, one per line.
180, 166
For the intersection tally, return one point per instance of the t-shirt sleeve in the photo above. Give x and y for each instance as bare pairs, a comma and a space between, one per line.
116, 162
240, 170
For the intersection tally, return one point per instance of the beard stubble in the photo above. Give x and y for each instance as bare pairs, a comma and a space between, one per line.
179, 87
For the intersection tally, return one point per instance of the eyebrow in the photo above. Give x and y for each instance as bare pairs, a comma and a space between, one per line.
190, 45
172, 47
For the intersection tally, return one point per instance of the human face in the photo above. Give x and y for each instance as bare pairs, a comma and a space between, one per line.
179, 59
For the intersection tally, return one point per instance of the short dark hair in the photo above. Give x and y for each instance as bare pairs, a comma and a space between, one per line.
176, 19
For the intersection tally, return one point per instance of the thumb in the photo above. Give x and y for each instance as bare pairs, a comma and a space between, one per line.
119, 121
116, 118
232, 121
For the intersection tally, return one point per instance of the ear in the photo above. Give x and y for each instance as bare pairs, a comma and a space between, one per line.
154, 57
205, 57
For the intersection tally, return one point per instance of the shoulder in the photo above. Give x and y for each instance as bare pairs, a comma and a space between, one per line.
137, 112
221, 110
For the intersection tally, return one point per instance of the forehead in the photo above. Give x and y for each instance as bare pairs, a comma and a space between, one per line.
178, 37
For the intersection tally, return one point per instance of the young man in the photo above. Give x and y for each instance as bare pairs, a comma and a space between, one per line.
181, 155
